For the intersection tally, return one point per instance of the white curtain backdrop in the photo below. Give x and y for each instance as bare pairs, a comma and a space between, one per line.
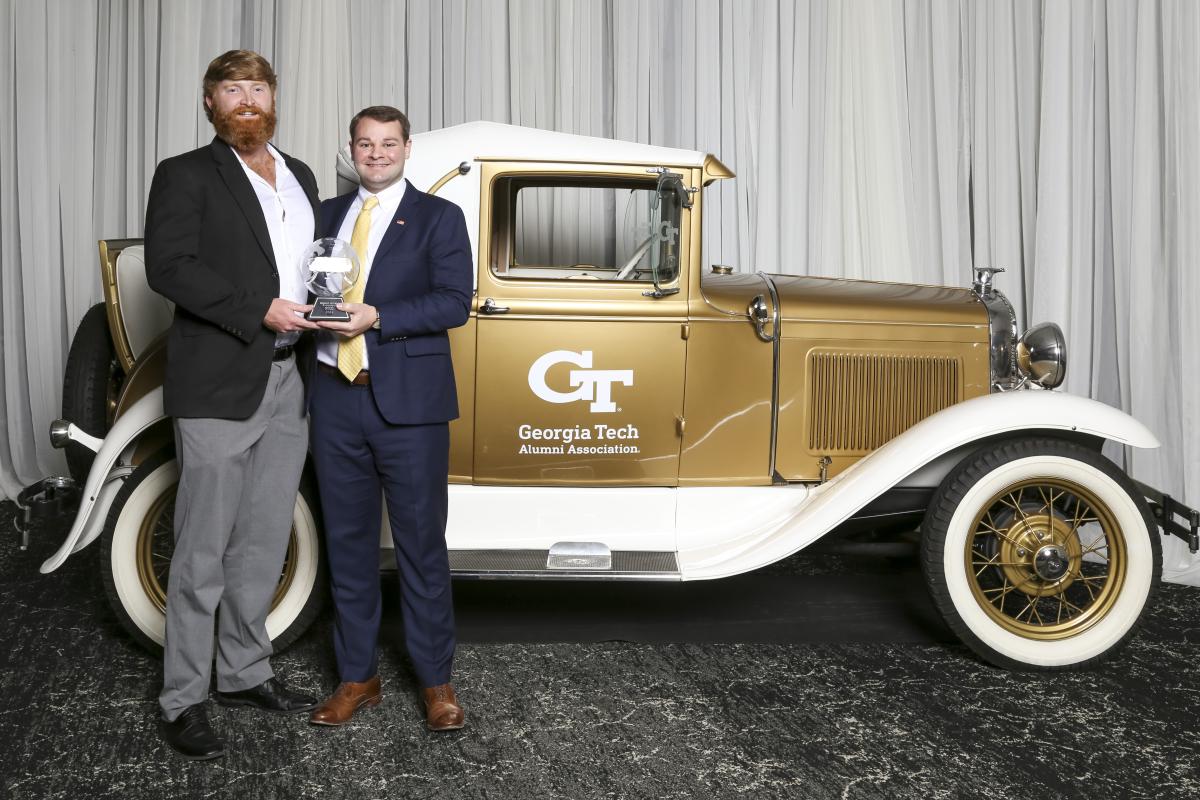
895, 140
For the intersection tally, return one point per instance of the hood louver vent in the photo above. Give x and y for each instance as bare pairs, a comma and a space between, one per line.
859, 401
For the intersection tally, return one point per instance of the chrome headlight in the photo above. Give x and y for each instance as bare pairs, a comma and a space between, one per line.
1042, 355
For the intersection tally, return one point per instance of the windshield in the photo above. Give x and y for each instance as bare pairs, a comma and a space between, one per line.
665, 219
650, 235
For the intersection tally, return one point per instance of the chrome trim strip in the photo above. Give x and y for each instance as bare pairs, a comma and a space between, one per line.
534, 565
1004, 376
1002, 341
775, 337
562, 575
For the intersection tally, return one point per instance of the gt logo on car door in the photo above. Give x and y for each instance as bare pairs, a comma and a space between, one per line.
593, 385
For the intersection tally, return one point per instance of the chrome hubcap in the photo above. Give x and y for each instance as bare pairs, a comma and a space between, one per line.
1051, 562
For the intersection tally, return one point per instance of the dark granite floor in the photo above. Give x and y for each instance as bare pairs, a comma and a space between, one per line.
823, 677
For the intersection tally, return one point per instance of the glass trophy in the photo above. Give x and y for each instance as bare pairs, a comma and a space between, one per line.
330, 268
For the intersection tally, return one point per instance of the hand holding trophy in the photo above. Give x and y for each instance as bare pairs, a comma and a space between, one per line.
330, 268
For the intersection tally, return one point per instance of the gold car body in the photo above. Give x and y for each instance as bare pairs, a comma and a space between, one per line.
627, 412
711, 402
638, 393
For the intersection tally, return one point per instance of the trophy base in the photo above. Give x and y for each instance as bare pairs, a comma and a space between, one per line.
325, 310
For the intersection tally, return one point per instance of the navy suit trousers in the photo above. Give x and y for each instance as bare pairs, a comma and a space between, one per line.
360, 458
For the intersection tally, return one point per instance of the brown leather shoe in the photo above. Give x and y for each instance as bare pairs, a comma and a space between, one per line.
442, 711
349, 697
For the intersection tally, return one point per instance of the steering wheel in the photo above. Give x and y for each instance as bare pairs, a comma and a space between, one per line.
627, 268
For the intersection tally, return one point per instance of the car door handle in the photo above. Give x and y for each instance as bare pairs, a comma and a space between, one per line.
489, 307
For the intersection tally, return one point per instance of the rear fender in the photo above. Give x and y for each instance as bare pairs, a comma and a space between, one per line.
707, 552
106, 476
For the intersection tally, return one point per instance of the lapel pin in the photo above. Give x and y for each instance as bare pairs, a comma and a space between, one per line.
399, 222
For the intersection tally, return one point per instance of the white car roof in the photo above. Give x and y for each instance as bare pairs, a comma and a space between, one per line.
476, 140
437, 152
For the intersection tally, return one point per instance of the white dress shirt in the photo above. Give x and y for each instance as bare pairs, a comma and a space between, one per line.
381, 220
290, 222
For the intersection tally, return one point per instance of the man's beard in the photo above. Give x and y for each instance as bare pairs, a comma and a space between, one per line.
245, 133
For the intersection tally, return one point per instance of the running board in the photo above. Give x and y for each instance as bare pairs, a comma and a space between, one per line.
569, 563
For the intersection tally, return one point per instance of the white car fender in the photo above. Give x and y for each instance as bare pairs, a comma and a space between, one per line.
708, 549
105, 477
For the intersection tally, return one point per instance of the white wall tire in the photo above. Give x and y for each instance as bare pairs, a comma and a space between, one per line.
1040, 554
135, 552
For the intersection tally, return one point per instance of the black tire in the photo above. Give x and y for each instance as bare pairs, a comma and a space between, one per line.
1040, 554
134, 571
90, 386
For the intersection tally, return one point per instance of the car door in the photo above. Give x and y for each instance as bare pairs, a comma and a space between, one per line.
581, 325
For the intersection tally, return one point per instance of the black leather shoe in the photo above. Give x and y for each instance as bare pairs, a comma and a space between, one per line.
191, 736
271, 696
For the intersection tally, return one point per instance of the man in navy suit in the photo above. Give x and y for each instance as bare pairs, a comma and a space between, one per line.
382, 398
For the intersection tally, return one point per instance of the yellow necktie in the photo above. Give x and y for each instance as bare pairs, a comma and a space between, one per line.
351, 351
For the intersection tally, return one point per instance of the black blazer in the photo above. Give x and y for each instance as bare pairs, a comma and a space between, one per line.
209, 251
421, 282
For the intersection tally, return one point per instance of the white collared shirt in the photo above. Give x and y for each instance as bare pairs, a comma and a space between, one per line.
381, 220
290, 222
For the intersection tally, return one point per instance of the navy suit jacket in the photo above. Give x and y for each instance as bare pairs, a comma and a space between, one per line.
421, 283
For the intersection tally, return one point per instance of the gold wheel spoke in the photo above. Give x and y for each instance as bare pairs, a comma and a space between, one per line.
989, 525
1014, 502
1067, 602
1048, 502
1081, 518
1002, 534
1028, 607
1075, 517
1086, 583
1003, 590
1016, 585
1061, 603
986, 558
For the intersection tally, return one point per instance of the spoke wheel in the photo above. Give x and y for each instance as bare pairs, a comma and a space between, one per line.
156, 545
138, 542
1046, 559
1040, 554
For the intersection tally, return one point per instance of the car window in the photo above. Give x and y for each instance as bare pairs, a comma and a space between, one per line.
581, 232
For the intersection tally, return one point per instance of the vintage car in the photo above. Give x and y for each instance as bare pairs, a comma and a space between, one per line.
629, 414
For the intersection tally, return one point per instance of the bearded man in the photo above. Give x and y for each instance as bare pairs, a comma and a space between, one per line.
226, 225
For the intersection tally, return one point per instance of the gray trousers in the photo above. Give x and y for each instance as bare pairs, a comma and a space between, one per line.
233, 518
